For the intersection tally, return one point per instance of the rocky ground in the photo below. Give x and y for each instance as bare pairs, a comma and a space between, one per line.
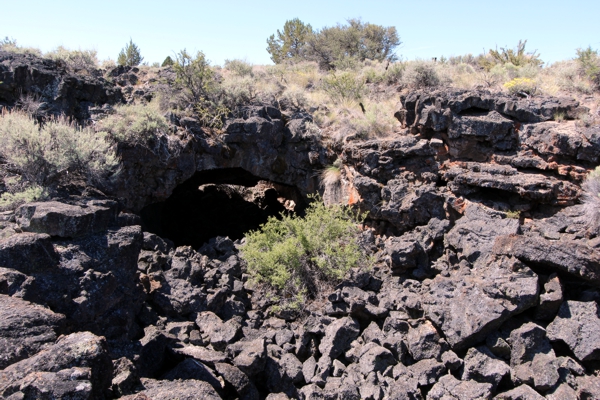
486, 283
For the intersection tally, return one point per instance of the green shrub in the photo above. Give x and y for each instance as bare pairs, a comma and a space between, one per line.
11, 200
130, 55
295, 257
589, 63
293, 98
290, 43
344, 85
377, 121
75, 60
339, 47
39, 154
394, 72
168, 61
194, 76
10, 45
513, 214
135, 124
239, 67
237, 91
421, 74
517, 57
521, 86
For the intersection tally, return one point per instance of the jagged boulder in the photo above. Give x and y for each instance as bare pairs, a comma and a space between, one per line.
190, 389
577, 324
80, 357
471, 302
60, 91
66, 220
25, 329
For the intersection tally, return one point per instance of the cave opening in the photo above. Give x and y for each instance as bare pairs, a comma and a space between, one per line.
220, 202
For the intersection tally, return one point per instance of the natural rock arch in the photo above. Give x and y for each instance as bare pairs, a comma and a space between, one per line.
219, 202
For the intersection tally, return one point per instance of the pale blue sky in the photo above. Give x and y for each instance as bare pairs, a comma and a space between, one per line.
239, 29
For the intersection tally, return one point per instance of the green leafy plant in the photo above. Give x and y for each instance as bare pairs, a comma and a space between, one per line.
560, 116
331, 175
294, 257
130, 55
339, 47
194, 76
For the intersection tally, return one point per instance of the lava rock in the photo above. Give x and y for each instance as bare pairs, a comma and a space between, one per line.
448, 387
244, 388
473, 235
522, 392
569, 256
174, 390
28, 253
220, 333
252, 357
66, 220
338, 336
550, 299
470, 303
82, 350
193, 369
424, 341
482, 366
532, 358
577, 324
375, 358
25, 329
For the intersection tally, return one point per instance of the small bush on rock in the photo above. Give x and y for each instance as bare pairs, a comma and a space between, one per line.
517, 57
421, 74
140, 125
75, 60
521, 86
40, 154
295, 257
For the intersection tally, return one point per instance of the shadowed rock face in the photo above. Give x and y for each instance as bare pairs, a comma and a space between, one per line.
463, 300
47, 81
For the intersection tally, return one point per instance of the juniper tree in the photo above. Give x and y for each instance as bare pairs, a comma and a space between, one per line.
289, 43
130, 55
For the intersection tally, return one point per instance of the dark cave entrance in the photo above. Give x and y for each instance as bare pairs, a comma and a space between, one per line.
219, 202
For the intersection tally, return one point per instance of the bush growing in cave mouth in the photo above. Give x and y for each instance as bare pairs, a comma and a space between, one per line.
296, 257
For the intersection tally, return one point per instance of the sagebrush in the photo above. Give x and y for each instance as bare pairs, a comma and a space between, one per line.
42, 154
294, 257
